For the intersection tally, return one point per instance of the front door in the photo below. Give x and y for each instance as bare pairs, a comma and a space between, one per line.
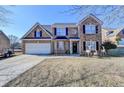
74, 47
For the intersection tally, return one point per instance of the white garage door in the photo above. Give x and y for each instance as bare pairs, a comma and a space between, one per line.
32, 48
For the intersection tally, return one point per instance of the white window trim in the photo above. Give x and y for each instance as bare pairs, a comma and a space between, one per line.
38, 34
61, 31
90, 29
90, 45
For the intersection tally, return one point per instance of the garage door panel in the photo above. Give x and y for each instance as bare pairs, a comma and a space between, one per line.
42, 48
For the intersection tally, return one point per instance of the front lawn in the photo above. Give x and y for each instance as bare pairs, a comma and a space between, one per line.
74, 72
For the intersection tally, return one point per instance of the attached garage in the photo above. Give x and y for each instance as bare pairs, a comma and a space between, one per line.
38, 48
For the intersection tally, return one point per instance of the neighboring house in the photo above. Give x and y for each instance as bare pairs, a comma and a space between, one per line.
64, 37
120, 35
4, 41
109, 35
112, 35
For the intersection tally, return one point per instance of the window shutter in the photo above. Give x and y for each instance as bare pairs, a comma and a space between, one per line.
96, 29
40, 33
66, 31
97, 45
84, 45
35, 34
54, 31
83, 29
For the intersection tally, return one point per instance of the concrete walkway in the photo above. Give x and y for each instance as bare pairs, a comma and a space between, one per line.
12, 67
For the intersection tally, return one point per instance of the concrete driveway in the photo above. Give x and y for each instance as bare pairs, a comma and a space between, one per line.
12, 67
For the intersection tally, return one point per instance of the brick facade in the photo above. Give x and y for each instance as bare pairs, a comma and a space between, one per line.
75, 34
87, 37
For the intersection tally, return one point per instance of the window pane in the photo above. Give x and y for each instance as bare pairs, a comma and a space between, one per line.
91, 45
110, 32
90, 29
61, 32
61, 45
38, 34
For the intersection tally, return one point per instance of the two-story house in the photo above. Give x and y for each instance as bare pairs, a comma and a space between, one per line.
73, 38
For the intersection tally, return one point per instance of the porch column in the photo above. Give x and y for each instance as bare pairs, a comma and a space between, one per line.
80, 47
55, 46
70, 47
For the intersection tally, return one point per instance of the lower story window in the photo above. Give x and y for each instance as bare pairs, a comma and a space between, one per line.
90, 45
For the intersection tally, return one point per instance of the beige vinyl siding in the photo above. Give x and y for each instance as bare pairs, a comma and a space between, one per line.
4, 42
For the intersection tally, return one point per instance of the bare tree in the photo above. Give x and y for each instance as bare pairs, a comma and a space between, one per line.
4, 15
14, 41
109, 13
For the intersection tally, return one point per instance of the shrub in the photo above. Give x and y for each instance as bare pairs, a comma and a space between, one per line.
118, 39
109, 45
67, 52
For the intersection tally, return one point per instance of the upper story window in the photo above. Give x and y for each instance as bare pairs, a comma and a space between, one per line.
38, 34
74, 31
110, 32
61, 31
90, 29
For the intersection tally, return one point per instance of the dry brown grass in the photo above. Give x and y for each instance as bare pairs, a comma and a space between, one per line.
70, 72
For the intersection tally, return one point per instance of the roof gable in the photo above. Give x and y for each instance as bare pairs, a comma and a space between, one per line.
37, 24
92, 16
115, 31
64, 25
119, 30
2, 33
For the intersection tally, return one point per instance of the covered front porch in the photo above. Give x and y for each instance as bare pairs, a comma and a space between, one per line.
69, 46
